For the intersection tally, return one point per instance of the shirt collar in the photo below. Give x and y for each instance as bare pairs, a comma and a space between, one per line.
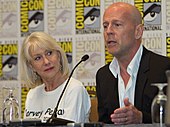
132, 67
134, 64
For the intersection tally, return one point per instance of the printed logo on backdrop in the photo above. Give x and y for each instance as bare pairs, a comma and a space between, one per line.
107, 3
108, 56
151, 13
31, 16
8, 19
24, 92
87, 16
92, 47
66, 45
167, 15
91, 88
8, 60
59, 17
168, 45
86, 71
153, 41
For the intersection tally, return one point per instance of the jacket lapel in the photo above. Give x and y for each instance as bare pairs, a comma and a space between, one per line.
142, 78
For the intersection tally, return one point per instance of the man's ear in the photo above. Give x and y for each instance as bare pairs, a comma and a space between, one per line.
139, 31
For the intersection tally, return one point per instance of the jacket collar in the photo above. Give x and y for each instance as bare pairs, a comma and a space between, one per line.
142, 77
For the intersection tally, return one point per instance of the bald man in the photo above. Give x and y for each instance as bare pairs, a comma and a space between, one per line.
123, 86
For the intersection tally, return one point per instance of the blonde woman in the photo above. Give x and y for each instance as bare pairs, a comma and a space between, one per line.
44, 67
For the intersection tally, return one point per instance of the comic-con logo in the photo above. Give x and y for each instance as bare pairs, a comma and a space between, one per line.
87, 16
152, 16
168, 46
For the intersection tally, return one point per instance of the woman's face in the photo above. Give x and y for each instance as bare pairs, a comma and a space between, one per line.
46, 63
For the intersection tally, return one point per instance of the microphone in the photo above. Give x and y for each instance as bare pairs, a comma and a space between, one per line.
53, 119
85, 57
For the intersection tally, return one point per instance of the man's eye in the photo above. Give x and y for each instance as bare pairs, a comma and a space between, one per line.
116, 24
104, 26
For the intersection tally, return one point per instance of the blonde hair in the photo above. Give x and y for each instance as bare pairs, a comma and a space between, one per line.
32, 42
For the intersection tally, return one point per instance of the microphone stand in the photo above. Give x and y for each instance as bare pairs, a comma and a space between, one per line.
53, 118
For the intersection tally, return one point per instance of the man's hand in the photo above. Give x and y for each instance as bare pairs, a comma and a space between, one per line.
127, 115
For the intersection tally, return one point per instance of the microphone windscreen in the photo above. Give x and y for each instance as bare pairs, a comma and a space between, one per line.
85, 57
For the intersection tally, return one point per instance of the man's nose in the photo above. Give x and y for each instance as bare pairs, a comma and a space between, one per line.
110, 30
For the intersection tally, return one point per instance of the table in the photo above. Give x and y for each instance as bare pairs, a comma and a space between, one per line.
89, 125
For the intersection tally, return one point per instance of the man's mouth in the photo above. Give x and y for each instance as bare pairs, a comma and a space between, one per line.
111, 42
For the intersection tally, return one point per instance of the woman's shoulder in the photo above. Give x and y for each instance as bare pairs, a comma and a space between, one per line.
75, 80
75, 83
77, 88
36, 89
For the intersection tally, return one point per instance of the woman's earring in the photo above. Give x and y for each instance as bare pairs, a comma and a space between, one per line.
61, 67
34, 76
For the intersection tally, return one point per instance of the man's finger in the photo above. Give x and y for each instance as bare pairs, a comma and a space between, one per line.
127, 102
